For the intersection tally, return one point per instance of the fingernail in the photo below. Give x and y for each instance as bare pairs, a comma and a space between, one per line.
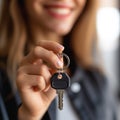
61, 47
60, 64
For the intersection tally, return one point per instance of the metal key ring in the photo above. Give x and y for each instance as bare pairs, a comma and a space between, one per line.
67, 59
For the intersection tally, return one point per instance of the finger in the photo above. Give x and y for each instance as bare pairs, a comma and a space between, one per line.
50, 45
40, 53
25, 82
51, 93
39, 69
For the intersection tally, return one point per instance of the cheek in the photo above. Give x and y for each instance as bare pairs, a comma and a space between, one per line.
81, 4
32, 7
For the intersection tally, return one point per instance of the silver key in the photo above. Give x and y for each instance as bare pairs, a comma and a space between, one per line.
61, 81
60, 93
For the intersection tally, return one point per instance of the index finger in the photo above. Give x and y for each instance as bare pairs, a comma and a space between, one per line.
51, 45
43, 55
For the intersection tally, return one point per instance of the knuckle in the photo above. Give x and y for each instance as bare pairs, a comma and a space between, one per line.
36, 50
43, 69
51, 54
41, 82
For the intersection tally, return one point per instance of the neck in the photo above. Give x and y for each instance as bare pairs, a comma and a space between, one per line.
38, 34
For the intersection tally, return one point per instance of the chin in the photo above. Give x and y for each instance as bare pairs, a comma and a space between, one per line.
62, 32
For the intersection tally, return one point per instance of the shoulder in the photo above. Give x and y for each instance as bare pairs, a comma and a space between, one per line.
91, 98
99, 92
95, 84
96, 77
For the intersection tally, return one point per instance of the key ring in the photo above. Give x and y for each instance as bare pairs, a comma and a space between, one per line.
67, 59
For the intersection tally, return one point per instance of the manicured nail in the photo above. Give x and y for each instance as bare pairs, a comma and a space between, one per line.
61, 47
59, 64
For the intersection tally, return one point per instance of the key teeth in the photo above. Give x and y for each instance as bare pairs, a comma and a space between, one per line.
60, 105
60, 99
60, 108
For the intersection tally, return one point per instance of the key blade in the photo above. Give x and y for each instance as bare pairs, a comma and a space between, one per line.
60, 98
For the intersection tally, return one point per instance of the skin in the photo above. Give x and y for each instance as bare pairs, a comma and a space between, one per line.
35, 70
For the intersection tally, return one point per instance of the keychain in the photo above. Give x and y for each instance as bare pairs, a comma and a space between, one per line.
60, 80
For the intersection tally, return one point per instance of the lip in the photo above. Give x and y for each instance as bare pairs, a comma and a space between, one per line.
59, 11
60, 5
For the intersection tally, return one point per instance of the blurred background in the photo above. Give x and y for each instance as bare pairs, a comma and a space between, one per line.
108, 35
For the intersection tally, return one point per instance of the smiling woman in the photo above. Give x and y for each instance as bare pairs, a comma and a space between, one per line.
55, 16
32, 34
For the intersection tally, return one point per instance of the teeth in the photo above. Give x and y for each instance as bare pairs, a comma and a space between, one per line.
60, 10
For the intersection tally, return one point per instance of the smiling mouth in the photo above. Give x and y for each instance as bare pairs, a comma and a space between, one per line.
58, 11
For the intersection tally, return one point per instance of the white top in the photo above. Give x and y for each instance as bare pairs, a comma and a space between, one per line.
67, 112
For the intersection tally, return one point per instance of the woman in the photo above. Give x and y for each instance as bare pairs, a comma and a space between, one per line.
32, 34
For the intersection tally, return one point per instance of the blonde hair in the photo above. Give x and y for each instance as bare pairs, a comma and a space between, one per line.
84, 34
13, 34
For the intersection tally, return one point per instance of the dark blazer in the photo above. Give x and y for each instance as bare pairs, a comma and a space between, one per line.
92, 102
8, 101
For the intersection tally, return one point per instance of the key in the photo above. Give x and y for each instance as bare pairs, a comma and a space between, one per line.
60, 81
60, 93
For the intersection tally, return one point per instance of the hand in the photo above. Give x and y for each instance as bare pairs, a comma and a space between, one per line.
33, 79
